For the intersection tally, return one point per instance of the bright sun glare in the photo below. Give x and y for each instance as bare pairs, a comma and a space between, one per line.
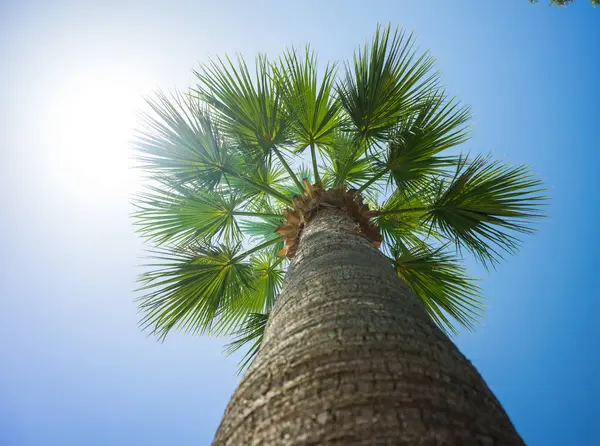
90, 130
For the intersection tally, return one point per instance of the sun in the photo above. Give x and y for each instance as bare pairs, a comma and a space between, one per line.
90, 126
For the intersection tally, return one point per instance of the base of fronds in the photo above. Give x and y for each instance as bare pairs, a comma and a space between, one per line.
315, 198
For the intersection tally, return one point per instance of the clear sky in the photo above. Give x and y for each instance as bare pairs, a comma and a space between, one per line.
76, 370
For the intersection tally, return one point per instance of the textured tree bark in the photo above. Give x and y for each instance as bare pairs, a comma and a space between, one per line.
350, 357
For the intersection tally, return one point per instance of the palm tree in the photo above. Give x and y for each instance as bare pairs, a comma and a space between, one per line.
321, 218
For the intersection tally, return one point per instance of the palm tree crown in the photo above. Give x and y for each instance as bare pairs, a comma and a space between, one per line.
238, 164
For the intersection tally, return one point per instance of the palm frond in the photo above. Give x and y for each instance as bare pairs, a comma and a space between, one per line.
190, 287
264, 174
201, 289
400, 220
263, 230
304, 172
179, 141
434, 125
259, 296
249, 107
383, 83
347, 163
442, 284
312, 108
268, 278
251, 332
179, 215
485, 205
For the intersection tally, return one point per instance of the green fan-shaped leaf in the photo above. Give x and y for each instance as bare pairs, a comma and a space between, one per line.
485, 205
205, 289
346, 162
420, 136
190, 287
312, 108
263, 230
267, 282
259, 296
178, 140
249, 107
268, 278
314, 113
383, 83
250, 332
441, 283
303, 172
183, 216
401, 218
269, 176
179, 144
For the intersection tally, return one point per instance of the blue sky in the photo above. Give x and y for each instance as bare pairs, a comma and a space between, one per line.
76, 370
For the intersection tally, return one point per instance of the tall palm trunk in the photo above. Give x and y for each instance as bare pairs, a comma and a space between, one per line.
350, 357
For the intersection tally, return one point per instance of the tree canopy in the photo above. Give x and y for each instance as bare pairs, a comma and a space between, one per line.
227, 160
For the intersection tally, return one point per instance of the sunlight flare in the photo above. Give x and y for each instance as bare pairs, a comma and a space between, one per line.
91, 124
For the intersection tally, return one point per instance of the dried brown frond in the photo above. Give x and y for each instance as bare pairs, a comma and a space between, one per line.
306, 207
